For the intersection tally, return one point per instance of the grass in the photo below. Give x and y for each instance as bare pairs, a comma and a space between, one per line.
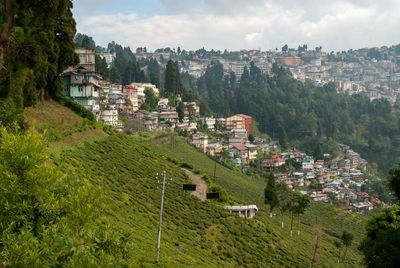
56, 121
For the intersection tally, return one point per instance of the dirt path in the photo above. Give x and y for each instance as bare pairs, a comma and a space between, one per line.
201, 186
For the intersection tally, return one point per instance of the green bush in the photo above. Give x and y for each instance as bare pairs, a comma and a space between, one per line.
78, 109
186, 165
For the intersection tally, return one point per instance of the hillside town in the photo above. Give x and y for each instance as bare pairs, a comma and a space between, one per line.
374, 72
324, 180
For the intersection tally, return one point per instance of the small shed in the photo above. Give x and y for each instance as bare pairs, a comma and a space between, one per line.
243, 211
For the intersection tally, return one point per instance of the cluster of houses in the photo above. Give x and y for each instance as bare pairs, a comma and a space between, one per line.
374, 72
107, 101
234, 141
339, 180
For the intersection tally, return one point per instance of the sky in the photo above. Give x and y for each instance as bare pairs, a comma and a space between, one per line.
335, 25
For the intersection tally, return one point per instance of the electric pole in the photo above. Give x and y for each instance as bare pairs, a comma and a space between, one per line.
160, 220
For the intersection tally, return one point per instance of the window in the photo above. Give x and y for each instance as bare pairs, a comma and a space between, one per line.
80, 88
66, 88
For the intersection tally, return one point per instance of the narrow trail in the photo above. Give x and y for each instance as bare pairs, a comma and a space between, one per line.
201, 185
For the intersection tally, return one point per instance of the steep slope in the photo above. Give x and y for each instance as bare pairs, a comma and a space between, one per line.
194, 232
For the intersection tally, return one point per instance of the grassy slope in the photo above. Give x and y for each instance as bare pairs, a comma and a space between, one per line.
194, 232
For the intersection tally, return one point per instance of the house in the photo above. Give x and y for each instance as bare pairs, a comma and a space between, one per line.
214, 148
273, 162
141, 87
147, 119
243, 211
210, 121
82, 86
308, 163
239, 121
109, 116
237, 136
363, 207
168, 116
362, 196
252, 151
163, 105
320, 197
132, 95
87, 58
200, 141
191, 108
241, 151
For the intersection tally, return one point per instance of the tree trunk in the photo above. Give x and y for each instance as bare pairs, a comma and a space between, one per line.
5, 36
298, 220
338, 260
282, 218
344, 256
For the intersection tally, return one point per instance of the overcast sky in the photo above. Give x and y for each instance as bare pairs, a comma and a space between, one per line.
240, 24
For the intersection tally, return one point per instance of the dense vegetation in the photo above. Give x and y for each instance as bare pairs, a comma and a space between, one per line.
45, 31
381, 246
36, 46
312, 117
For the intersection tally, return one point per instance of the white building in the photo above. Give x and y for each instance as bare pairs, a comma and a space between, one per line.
110, 116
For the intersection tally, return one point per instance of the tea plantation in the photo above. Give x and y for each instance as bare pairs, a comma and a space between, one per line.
196, 233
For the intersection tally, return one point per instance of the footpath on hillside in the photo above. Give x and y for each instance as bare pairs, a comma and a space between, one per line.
201, 185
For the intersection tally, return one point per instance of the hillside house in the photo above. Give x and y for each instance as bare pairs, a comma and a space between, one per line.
237, 136
239, 121
252, 151
87, 58
82, 86
200, 141
109, 116
172, 117
241, 151
131, 95
214, 148
147, 119
141, 87
273, 162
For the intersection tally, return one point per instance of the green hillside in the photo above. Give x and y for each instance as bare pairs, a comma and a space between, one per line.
245, 190
201, 234
194, 232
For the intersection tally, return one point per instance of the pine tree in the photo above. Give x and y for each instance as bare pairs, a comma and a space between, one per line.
283, 138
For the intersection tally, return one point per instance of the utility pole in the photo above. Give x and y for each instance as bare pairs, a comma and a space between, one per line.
160, 220
291, 222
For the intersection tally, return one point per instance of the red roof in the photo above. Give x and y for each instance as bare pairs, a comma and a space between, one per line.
274, 156
244, 116
362, 194
240, 147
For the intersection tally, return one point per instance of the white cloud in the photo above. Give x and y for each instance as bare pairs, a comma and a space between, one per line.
237, 24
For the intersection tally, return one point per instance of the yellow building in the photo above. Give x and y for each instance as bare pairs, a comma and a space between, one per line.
235, 122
